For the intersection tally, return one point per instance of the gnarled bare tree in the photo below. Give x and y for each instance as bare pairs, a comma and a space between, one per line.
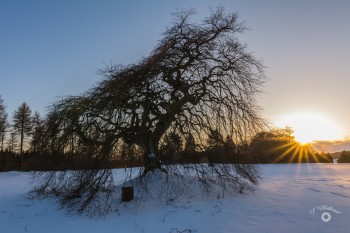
197, 80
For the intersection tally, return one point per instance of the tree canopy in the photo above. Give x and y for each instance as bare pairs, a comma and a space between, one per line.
199, 78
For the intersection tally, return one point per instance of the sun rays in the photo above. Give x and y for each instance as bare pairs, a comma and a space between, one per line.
296, 152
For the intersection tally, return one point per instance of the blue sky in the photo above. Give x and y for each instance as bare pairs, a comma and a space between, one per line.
49, 49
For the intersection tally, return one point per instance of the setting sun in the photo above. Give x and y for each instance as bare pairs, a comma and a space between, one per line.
309, 127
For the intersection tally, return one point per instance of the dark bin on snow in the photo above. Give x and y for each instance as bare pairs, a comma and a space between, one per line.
127, 193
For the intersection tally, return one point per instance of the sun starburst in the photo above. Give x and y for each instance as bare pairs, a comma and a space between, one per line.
296, 152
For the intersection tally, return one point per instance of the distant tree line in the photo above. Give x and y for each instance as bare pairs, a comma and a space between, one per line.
280, 146
24, 146
344, 157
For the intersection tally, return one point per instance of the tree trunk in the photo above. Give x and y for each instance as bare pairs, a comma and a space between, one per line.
22, 137
151, 162
2, 143
151, 158
21, 147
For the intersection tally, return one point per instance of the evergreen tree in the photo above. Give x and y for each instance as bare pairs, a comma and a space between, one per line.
344, 157
215, 140
3, 123
190, 145
37, 132
22, 123
12, 142
171, 146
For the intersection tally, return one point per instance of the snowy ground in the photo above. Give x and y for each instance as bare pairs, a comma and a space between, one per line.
282, 203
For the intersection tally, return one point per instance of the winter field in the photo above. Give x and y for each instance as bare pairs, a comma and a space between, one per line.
291, 198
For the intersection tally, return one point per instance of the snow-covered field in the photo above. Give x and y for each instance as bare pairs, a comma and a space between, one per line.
290, 198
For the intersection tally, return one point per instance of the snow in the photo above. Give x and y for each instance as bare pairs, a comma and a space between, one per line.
283, 202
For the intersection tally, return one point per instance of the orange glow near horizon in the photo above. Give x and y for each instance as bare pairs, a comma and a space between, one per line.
303, 153
309, 127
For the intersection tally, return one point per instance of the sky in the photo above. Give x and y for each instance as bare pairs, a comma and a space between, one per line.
51, 49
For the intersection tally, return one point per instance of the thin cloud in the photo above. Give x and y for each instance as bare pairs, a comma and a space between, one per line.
332, 146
